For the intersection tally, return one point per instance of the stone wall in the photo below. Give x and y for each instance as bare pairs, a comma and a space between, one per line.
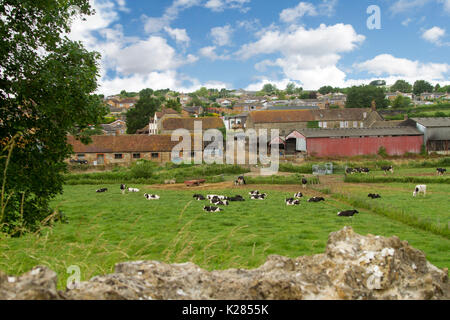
353, 267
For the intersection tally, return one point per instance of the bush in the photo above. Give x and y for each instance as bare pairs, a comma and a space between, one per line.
143, 169
382, 152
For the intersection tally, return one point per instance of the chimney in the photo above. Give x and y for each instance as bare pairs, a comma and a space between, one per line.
374, 105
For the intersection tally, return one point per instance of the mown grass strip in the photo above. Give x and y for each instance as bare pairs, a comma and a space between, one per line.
283, 180
438, 228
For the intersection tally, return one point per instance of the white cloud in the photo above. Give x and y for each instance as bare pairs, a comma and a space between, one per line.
434, 35
210, 53
406, 22
292, 14
446, 4
390, 66
180, 35
401, 6
222, 35
221, 5
303, 57
122, 5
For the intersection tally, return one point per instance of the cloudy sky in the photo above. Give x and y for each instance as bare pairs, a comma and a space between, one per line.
186, 44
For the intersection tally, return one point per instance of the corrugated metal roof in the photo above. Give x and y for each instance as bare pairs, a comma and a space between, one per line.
433, 122
283, 116
363, 132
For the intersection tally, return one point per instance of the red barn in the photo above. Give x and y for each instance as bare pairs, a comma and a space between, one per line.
355, 142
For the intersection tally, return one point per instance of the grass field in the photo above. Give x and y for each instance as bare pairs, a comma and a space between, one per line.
108, 228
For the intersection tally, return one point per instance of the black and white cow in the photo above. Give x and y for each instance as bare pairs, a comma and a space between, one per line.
292, 202
220, 202
151, 196
199, 197
123, 188
441, 171
102, 190
386, 169
347, 213
350, 171
316, 199
374, 196
254, 193
133, 190
420, 189
364, 170
212, 209
298, 195
240, 181
304, 183
261, 196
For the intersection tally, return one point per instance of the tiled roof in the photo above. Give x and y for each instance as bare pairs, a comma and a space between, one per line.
188, 123
165, 111
124, 143
280, 116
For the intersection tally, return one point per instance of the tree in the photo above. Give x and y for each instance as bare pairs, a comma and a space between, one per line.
326, 90
174, 104
46, 92
269, 88
362, 97
437, 87
401, 86
401, 102
290, 88
421, 86
139, 116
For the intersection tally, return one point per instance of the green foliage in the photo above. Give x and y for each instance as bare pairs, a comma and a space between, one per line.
47, 91
326, 90
423, 150
143, 169
402, 86
312, 125
382, 152
401, 102
139, 116
362, 97
422, 86
290, 88
269, 89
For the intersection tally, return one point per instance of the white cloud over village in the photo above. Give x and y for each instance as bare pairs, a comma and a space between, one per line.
282, 51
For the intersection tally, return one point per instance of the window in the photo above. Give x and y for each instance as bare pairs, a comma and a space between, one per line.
136, 155
80, 156
118, 156
192, 154
155, 155
355, 124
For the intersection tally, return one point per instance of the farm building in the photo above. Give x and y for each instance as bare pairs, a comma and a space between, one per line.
353, 142
169, 125
125, 149
436, 132
288, 120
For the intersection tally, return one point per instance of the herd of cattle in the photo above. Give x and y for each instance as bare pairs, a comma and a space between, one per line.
439, 171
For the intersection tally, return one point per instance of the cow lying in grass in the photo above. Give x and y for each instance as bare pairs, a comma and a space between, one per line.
133, 190
292, 202
347, 213
420, 189
316, 199
261, 196
102, 190
151, 196
199, 197
298, 195
212, 209
236, 198
374, 196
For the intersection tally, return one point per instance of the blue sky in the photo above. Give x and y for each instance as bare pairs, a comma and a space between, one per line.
186, 44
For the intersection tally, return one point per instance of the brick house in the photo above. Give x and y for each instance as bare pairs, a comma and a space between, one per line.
124, 149
155, 122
